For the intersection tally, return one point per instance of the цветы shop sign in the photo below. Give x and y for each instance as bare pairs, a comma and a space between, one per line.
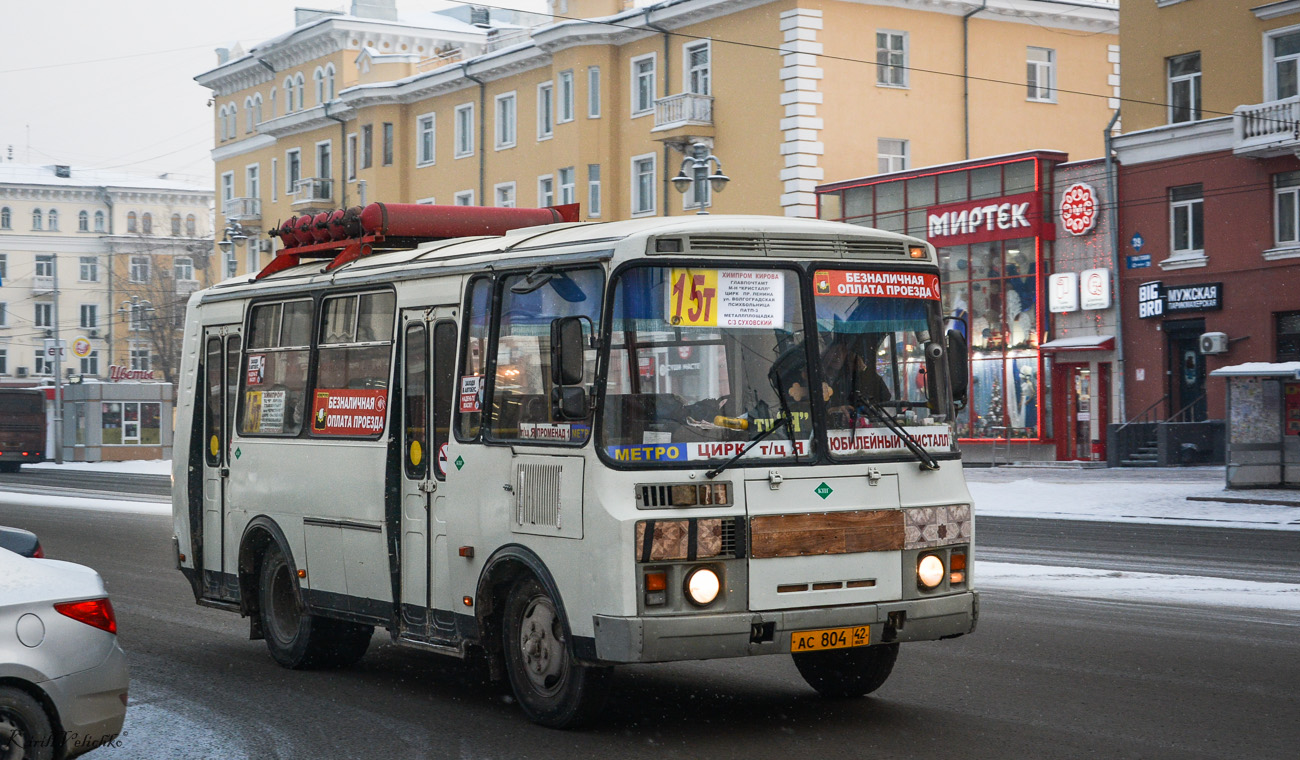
1012, 216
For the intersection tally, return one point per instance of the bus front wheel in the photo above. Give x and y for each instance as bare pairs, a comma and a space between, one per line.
295, 638
552, 688
847, 672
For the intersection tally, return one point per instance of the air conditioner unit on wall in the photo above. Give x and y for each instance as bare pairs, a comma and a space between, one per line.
1214, 343
20, 371
93, 333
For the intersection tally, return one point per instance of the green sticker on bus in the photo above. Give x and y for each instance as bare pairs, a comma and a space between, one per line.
823, 490
460, 462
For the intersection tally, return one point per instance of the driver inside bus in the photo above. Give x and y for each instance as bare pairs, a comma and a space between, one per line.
850, 376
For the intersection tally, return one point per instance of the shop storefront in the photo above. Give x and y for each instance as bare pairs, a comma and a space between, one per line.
116, 421
992, 223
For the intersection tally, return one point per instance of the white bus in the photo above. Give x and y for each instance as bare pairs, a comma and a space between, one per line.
570, 446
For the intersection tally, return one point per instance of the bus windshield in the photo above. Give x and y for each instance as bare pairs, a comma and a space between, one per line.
700, 359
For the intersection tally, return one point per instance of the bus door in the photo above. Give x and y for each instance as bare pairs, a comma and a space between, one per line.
221, 347
428, 365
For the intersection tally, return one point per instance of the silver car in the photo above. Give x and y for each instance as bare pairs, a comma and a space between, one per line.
63, 678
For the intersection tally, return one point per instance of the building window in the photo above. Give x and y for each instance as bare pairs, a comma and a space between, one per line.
643, 85
464, 130
388, 143
257, 111
1286, 53
593, 92
292, 169
318, 77
248, 114
45, 266
1041, 74
298, 88
4, 361
464, 198
139, 269
83, 221
566, 97
545, 110
367, 145
146, 223
131, 225
252, 187
288, 95
1184, 88
1288, 336
1286, 209
1186, 221
568, 185
891, 155
43, 315
99, 221
643, 185
232, 265
329, 81
141, 358
89, 269
6, 218
4, 314
325, 159
698, 68
4, 267
183, 268
190, 222
351, 157
54, 220
424, 143
505, 195
546, 190
90, 364
176, 225
89, 315
593, 191
891, 58
41, 365
505, 121
37, 219
227, 194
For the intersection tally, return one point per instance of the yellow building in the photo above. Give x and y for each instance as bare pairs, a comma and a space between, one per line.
601, 106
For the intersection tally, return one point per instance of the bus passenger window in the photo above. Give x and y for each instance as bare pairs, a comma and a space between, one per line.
274, 381
521, 389
469, 387
353, 365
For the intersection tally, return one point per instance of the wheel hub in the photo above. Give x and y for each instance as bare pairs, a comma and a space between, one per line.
542, 646
12, 739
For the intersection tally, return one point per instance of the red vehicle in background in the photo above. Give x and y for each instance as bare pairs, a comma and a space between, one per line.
22, 427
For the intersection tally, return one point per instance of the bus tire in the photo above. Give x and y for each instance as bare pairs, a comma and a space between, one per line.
25, 729
295, 638
553, 688
841, 673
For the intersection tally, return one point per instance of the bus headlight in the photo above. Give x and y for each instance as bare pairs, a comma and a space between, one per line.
703, 586
929, 571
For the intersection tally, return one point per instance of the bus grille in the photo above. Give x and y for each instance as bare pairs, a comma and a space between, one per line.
809, 247
537, 495
855, 249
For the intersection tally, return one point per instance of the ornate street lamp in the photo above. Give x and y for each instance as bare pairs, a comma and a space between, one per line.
698, 164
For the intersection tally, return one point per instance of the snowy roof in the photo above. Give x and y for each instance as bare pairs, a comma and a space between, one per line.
1260, 369
35, 174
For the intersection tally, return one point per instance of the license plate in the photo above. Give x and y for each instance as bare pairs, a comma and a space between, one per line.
830, 638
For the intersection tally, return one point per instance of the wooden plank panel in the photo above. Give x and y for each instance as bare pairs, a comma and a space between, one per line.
816, 533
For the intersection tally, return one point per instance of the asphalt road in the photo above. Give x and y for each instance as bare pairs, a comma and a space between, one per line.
1042, 677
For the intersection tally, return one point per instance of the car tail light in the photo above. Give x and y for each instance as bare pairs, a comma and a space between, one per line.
39, 553
93, 612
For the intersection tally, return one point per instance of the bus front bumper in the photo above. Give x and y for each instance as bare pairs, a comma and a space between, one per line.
701, 637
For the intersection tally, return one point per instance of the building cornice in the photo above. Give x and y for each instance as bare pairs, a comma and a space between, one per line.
1174, 141
1270, 11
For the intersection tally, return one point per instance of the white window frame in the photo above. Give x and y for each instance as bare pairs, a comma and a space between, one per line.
895, 161
88, 269
90, 310
506, 127
884, 71
141, 268
593, 92
705, 72
288, 95
325, 168
650, 206
566, 181
1292, 193
186, 264
253, 180
275, 173
1271, 61
1192, 81
463, 198
318, 82
43, 314
545, 190
565, 110
44, 265
646, 81
1037, 91
545, 110
420, 131
83, 221
593, 191
89, 364
4, 314
351, 157
430, 201
1192, 206
227, 186
463, 129
99, 221
292, 158
507, 189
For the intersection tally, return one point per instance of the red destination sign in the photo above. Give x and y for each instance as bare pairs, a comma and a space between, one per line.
837, 282
346, 411
1005, 218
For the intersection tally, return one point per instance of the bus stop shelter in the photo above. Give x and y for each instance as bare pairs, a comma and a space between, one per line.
1263, 424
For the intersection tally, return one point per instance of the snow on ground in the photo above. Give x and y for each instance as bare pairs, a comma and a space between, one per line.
1128, 586
79, 502
135, 466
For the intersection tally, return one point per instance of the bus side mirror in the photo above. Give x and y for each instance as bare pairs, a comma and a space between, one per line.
958, 369
566, 351
569, 402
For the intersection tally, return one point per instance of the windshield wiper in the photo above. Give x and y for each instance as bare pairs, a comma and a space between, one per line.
711, 474
879, 413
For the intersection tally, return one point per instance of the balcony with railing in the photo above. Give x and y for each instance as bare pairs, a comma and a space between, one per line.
438, 61
683, 118
313, 194
243, 209
42, 284
185, 287
1267, 129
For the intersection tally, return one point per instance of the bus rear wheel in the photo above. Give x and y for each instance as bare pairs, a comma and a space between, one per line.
295, 638
847, 672
551, 686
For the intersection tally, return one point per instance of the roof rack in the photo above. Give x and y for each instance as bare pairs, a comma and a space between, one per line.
345, 235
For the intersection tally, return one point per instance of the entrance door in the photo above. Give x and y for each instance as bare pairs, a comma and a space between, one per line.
1186, 369
428, 366
1081, 405
221, 346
